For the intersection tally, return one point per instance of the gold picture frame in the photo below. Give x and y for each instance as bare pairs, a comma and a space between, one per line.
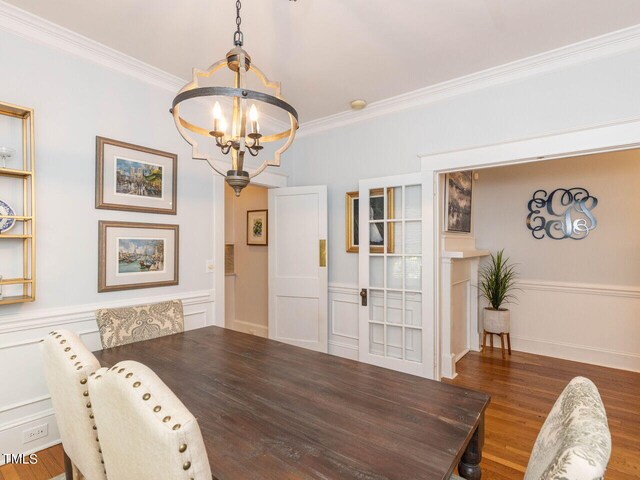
135, 255
351, 219
258, 227
140, 193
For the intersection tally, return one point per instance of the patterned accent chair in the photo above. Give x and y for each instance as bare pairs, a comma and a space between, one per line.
67, 366
120, 326
574, 442
146, 433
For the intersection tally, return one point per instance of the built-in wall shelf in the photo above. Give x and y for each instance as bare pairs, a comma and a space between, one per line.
16, 299
9, 172
19, 177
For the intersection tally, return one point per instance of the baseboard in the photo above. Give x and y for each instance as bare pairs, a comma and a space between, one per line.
461, 354
251, 328
11, 440
577, 353
343, 350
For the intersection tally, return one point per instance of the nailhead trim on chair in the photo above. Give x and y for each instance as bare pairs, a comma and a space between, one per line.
183, 447
83, 381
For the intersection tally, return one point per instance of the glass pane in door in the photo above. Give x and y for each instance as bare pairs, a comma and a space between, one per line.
394, 341
394, 307
376, 339
376, 306
376, 272
412, 238
395, 273
413, 345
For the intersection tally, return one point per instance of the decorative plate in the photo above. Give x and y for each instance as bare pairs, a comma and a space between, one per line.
6, 224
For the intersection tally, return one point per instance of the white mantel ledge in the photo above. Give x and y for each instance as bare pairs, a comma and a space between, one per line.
465, 254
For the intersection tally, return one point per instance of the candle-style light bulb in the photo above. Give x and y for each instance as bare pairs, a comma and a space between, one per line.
253, 120
217, 118
217, 111
223, 125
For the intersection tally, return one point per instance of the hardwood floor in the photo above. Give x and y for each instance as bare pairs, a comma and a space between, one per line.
523, 388
50, 464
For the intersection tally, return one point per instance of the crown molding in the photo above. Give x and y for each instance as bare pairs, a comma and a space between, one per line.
584, 51
32, 27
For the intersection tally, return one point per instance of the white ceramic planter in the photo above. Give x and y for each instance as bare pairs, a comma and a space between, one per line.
496, 321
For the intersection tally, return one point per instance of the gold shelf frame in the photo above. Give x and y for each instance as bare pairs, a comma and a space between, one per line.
28, 237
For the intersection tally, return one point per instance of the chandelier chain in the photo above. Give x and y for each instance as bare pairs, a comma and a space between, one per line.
238, 37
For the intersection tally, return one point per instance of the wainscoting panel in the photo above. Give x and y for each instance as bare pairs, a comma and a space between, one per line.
26, 402
598, 324
343, 320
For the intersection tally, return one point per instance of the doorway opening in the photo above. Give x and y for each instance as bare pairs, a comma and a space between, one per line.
247, 260
566, 229
600, 139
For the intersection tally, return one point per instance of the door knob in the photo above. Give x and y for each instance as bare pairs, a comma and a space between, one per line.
363, 296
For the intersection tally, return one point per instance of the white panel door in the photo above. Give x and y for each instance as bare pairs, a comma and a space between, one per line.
395, 329
298, 266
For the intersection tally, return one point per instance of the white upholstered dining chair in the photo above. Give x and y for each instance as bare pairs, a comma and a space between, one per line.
67, 366
574, 442
120, 326
146, 432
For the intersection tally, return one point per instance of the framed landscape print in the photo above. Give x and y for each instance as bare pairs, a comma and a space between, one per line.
134, 178
458, 193
137, 255
257, 227
376, 230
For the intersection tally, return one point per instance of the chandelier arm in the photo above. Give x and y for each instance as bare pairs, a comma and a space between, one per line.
204, 132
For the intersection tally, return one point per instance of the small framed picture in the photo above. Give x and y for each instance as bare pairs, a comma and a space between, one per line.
458, 196
137, 255
257, 227
134, 178
376, 230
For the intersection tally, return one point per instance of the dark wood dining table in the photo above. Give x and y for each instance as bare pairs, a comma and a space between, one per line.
268, 410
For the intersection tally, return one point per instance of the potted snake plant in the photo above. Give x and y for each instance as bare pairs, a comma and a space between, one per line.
497, 284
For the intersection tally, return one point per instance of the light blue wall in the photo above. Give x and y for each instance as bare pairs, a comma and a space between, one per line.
75, 100
599, 91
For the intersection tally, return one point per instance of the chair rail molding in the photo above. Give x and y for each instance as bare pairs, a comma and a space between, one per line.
80, 313
28, 404
542, 342
581, 288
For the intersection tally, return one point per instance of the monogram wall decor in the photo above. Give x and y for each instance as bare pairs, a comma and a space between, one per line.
563, 213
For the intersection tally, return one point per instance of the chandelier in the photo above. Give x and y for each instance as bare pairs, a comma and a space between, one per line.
243, 134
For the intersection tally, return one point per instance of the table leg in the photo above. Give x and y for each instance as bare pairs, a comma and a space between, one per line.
68, 467
469, 466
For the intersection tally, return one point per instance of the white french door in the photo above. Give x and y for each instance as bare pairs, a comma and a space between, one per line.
395, 314
298, 280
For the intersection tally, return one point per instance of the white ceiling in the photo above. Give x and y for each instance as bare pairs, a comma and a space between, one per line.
328, 52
